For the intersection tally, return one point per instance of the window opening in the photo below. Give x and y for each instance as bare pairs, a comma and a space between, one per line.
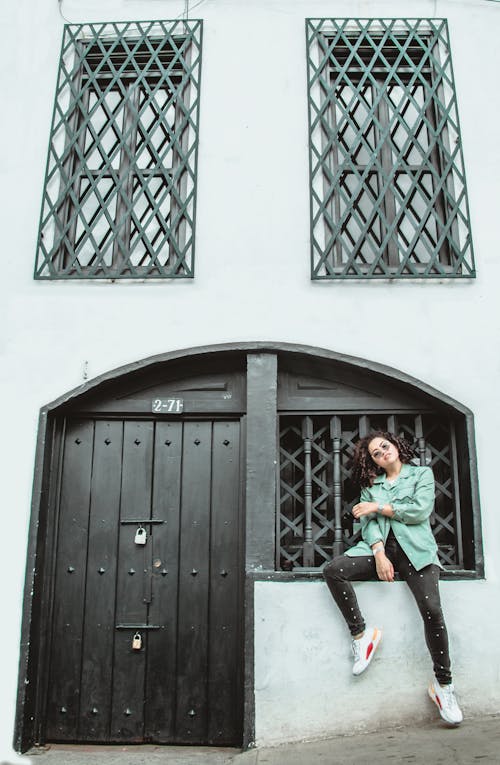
316, 494
388, 191
120, 187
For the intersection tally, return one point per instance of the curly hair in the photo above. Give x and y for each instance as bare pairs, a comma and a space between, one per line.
364, 469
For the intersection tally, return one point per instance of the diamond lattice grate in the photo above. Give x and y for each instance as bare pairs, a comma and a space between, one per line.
388, 189
119, 199
433, 438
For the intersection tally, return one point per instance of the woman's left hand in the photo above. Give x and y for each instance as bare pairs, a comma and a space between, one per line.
364, 508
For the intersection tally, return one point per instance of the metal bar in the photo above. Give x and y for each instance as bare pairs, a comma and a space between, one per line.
277, 530
308, 547
392, 426
179, 151
445, 255
389, 203
364, 425
332, 161
336, 435
442, 148
459, 548
67, 218
141, 521
139, 626
419, 435
121, 243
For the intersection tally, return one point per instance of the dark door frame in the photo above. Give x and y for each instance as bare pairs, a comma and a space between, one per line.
260, 455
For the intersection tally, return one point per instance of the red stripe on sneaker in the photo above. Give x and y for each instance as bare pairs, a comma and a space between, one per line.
438, 701
369, 650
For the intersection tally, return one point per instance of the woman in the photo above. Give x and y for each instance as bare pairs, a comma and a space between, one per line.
396, 502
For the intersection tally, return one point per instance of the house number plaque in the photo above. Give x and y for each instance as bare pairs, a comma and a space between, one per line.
167, 405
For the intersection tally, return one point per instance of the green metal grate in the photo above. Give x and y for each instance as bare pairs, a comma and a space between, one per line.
388, 190
119, 198
316, 493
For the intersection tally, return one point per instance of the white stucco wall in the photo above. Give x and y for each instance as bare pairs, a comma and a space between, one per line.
303, 681
252, 283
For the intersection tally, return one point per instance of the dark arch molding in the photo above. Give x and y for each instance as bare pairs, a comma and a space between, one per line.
417, 386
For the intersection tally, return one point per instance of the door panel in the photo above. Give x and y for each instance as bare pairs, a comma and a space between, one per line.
194, 553
63, 703
127, 721
180, 591
161, 656
98, 627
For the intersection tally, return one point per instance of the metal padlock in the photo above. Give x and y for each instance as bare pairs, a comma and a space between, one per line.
140, 536
137, 641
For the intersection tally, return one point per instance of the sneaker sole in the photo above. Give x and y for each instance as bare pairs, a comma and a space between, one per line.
375, 642
435, 699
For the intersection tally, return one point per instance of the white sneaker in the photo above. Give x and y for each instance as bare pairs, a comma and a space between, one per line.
364, 649
444, 698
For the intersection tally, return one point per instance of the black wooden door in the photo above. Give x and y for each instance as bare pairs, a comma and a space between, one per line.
179, 593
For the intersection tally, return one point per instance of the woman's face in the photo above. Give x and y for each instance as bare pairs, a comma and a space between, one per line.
382, 452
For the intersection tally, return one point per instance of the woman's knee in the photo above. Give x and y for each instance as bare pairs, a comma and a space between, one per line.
334, 571
432, 611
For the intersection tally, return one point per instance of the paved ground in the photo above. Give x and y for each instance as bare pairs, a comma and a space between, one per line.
475, 742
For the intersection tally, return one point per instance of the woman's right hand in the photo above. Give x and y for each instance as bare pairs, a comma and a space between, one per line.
385, 569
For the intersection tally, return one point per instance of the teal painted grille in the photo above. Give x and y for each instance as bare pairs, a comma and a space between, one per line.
315, 472
388, 190
119, 198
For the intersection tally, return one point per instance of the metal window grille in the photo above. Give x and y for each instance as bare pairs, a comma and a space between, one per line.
119, 198
316, 494
388, 190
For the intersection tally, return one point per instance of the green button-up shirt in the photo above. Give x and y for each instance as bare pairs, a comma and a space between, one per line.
412, 499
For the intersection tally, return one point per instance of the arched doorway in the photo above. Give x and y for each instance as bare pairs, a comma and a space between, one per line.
125, 641
141, 627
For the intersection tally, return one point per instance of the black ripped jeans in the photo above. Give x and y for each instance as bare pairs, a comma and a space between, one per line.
424, 585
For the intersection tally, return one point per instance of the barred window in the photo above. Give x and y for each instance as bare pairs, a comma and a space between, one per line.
388, 191
119, 198
316, 494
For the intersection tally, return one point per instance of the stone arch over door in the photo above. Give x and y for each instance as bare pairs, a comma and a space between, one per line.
254, 385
